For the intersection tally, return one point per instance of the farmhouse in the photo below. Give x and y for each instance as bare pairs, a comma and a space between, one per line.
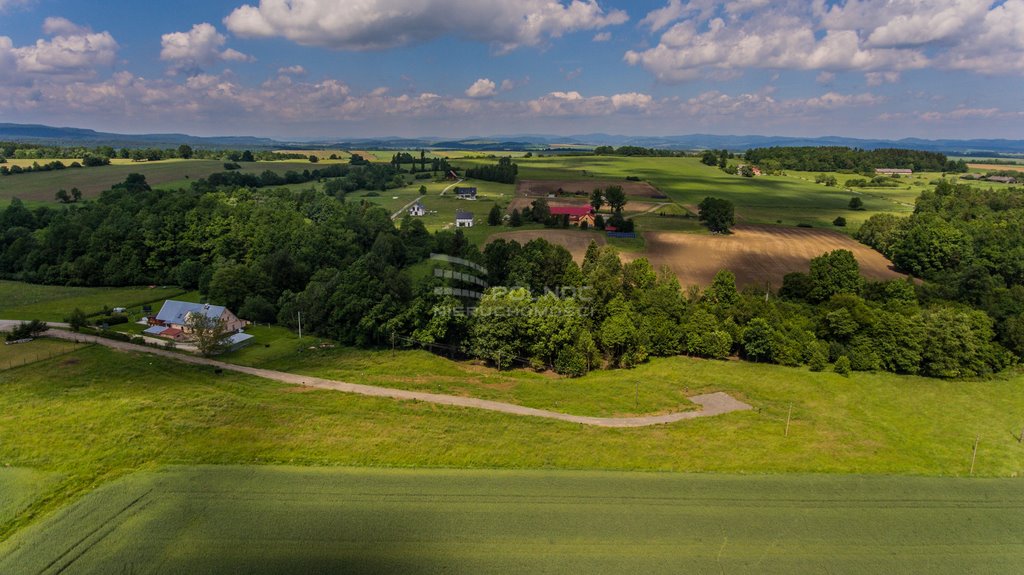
172, 320
1002, 179
577, 214
463, 219
893, 171
754, 169
465, 193
417, 210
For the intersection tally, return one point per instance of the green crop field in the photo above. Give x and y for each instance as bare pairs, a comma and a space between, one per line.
41, 186
18, 489
24, 301
274, 520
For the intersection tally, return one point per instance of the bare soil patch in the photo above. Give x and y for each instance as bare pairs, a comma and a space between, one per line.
575, 241
758, 255
582, 188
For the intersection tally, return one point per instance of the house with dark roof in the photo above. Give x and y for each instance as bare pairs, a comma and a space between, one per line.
417, 210
463, 219
465, 193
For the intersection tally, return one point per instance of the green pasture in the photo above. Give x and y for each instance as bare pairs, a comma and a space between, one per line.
20, 354
20, 300
19, 488
286, 519
168, 174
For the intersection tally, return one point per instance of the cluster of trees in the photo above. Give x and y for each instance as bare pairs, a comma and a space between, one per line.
340, 179
969, 243
718, 158
637, 151
503, 172
88, 161
837, 158
607, 314
719, 215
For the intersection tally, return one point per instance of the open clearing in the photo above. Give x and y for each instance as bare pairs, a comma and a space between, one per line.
545, 187
997, 167
576, 241
41, 186
54, 303
756, 254
274, 520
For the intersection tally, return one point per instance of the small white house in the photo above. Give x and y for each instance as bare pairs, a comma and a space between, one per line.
417, 210
463, 219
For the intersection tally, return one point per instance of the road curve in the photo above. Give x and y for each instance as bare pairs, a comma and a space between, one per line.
711, 404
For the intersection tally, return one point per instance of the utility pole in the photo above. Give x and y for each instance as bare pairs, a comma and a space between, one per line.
300, 325
788, 418
636, 396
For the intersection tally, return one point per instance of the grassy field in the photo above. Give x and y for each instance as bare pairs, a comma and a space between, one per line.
282, 519
41, 186
18, 489
17, 355
20, 300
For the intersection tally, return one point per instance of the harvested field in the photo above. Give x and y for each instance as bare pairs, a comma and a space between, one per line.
575, 241
756, 254
997, 167
545, 187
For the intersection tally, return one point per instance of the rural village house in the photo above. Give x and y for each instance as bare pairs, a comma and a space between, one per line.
893, 171
417, 210
577, 214
465, 193
463, 219
171, 322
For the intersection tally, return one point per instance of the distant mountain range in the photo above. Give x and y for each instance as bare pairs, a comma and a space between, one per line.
41, 134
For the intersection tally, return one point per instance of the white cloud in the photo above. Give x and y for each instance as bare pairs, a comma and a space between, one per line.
482, 88
200, 46
382, 24
825, 78
72, 50
575, 104
881, 36
5, 4
602, 37
879, 78
296, 70
507, 85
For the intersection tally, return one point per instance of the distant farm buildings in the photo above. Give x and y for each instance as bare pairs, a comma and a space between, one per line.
417, 210
753, 169
893, 171
463, 219
465, 193
577, 215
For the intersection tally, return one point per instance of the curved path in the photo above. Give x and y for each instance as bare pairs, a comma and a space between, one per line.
711, 403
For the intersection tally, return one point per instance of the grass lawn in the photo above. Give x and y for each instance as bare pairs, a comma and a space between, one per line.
18, 489
17, 355
285, 519
20, 300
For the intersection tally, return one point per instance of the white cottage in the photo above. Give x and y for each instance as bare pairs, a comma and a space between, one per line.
417, 210
463, 219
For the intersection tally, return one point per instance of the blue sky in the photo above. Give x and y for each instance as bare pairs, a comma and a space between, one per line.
456, 68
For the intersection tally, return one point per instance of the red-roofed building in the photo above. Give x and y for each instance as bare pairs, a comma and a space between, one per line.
577, 214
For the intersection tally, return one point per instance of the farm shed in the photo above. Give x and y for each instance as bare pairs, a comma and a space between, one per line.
463, 219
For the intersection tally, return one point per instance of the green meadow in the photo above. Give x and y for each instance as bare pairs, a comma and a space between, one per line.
24, 301
287, 519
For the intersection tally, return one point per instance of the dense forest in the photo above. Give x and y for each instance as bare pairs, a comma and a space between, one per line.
969, 243
271, 253
840, 159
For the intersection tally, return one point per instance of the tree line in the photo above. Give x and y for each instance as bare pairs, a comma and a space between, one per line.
843, 159
504, 172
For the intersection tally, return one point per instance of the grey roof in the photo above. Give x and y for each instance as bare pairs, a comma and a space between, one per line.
238, 339
175, 311
155, 330
417, 206
461, 215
